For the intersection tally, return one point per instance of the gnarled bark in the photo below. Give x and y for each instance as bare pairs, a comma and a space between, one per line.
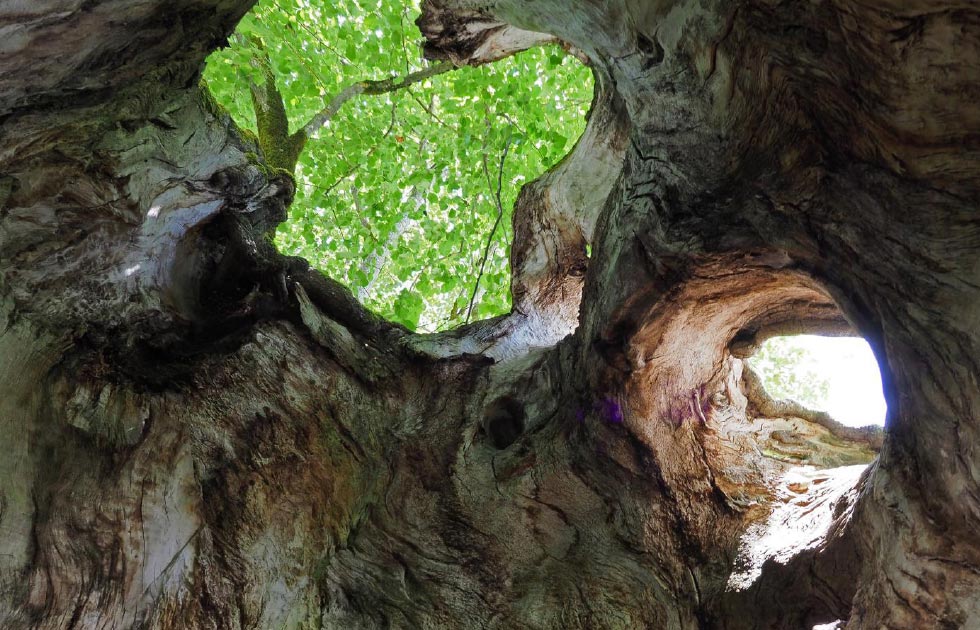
201, 432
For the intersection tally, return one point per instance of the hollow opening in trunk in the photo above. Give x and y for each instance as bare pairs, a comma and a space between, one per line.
406, 171
836, 375
784, 476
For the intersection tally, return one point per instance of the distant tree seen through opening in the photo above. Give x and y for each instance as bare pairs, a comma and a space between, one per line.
838, 375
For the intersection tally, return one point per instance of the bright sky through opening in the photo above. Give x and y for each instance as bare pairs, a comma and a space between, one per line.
854, 396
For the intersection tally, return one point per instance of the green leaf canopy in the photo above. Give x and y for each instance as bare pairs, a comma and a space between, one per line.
392, 195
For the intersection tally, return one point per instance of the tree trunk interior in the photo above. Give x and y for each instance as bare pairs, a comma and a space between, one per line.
199, 432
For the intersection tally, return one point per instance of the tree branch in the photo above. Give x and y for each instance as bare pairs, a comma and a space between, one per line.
281, 149
371, 87
496, 223
314, 35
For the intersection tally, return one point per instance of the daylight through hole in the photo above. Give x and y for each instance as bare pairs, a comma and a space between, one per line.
406, 170
836, 375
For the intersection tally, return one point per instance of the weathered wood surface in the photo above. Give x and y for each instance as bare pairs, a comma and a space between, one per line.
199, 432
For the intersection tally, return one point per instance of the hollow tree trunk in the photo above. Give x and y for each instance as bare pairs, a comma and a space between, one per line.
200, 432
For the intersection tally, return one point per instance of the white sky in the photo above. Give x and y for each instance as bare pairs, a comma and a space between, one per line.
854, 396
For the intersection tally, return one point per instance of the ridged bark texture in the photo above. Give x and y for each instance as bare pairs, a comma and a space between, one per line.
201, 433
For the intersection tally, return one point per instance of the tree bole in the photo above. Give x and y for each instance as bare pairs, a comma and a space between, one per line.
203, 433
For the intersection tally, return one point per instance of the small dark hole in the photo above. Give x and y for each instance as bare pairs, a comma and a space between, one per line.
651, 49
503, 421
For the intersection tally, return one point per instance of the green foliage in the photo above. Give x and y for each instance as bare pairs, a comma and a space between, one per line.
392, 198
788, 372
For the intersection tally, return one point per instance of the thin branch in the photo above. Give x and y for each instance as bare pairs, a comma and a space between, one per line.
428, 110
340, 179
496, 223
360, 212
319, 39
391, 125
401, 25
350, 171
372, 87
303, 59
